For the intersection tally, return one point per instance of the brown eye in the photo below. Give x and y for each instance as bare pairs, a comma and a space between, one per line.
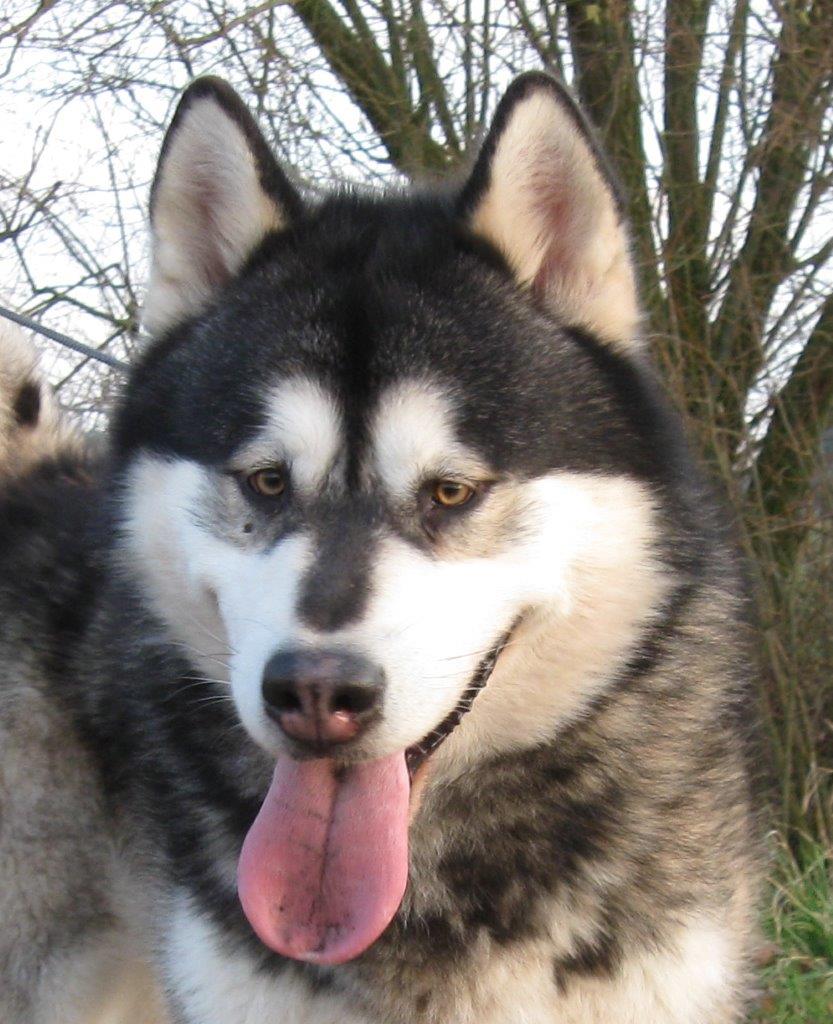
268, 483
451, 493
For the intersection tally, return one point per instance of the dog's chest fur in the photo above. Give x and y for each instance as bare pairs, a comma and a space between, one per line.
685, 983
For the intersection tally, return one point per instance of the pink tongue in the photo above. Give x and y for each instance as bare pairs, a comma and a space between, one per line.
324, 866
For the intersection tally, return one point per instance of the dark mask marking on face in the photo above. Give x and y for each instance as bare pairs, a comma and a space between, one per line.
337, 587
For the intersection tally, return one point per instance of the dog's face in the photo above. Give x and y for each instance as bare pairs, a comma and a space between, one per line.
385, 457
404, 434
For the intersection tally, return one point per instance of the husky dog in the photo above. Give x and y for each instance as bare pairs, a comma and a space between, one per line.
392, 667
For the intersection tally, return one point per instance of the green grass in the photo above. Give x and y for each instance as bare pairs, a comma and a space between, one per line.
798, 982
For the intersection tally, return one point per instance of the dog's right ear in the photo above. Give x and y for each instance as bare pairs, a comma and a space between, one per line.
218, 191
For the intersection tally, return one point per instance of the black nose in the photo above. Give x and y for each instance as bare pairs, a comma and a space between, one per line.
322, 698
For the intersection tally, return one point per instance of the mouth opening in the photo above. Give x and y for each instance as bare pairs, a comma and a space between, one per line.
324, 866
418, 754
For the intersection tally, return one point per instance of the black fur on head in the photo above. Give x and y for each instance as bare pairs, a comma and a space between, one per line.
359, 292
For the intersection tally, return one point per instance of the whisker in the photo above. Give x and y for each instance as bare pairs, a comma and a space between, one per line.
220, 658
202, 681
217, 698
481, 653
222, 641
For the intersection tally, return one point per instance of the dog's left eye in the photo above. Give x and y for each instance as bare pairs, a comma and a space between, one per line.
268, 483
451, 493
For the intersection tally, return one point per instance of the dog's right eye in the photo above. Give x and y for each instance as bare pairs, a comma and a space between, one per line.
267, 483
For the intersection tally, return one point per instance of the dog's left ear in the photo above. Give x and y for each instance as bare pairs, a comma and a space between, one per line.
541, 193
218, 191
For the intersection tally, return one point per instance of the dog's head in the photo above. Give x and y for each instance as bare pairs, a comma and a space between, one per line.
386, 453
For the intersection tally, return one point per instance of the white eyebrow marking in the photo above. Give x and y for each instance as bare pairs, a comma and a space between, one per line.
414, 437
304, 428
